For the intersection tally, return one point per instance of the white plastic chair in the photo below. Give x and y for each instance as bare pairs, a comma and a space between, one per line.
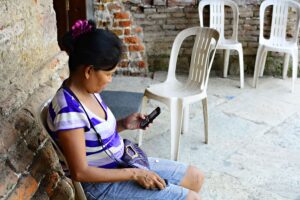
278, 41
216, 21
43, 121
177, 95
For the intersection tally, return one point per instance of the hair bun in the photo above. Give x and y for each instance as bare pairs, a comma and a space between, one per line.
92, 23
82, 26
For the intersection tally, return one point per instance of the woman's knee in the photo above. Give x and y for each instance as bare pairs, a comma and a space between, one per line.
192, 196
193, 179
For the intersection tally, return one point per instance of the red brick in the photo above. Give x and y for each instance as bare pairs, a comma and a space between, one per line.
138, 29
136, 48
52, 182
127, 31
115, 24
123, 64
141, 64
132, 40
121, 15
125, 23
25, 189
118, 32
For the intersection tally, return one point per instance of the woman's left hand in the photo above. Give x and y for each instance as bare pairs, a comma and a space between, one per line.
133, 121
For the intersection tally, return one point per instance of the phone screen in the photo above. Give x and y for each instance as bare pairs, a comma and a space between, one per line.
154, 113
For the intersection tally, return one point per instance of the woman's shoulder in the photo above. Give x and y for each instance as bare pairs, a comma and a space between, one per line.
65, 112
63, 100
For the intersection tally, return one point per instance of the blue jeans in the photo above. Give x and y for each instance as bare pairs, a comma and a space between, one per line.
130, 190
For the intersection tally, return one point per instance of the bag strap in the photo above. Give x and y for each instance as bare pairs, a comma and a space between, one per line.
107, 151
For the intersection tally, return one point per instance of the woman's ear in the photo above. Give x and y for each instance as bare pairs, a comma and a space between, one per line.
87, 71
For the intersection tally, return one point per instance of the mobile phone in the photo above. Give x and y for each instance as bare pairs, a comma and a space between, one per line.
167, 182
149, 118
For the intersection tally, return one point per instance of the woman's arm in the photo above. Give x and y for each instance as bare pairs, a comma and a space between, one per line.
120, 125
73, 146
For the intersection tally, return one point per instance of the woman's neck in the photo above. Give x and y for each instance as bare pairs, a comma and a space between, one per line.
75, 84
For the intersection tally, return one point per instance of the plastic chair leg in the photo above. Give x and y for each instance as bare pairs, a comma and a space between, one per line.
295, 70
80, 195
226, 62
205, 117
176, 114
241, 60
285, 65
257, 66
142, 110
185, 124
263, 63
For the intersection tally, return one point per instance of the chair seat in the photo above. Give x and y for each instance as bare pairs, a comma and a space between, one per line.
177, 90
280, 46
232, 44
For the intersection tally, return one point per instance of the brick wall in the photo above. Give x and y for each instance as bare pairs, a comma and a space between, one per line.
161, 24
31, 65
162, 20
111, 14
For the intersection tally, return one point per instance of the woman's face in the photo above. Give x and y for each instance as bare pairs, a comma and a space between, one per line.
99, 79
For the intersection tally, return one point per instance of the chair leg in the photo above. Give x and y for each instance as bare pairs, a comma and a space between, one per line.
263, 63
285, 65
257, 65
176, 114
295, 69
185, 124
79, 193
241, 60
226, 62
205, 117
142, 110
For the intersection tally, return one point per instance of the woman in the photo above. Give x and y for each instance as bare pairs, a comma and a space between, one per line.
93, 56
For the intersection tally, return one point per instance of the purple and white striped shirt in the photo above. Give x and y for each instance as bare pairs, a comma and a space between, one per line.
65, 113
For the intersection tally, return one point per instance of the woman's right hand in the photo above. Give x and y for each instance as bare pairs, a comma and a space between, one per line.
149, 180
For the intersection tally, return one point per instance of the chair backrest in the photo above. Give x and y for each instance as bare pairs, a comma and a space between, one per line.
43, 121
217, 16
279, 19
203, 53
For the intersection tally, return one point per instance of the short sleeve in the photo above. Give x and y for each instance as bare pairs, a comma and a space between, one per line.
66, 113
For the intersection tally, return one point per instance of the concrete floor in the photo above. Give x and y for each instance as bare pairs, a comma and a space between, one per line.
254, 137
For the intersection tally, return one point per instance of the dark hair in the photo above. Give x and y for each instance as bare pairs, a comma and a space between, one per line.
98, 47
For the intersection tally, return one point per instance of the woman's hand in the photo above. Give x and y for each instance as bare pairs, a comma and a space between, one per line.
133, 121
149, 180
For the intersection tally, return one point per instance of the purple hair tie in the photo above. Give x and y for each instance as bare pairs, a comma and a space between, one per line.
80, 27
